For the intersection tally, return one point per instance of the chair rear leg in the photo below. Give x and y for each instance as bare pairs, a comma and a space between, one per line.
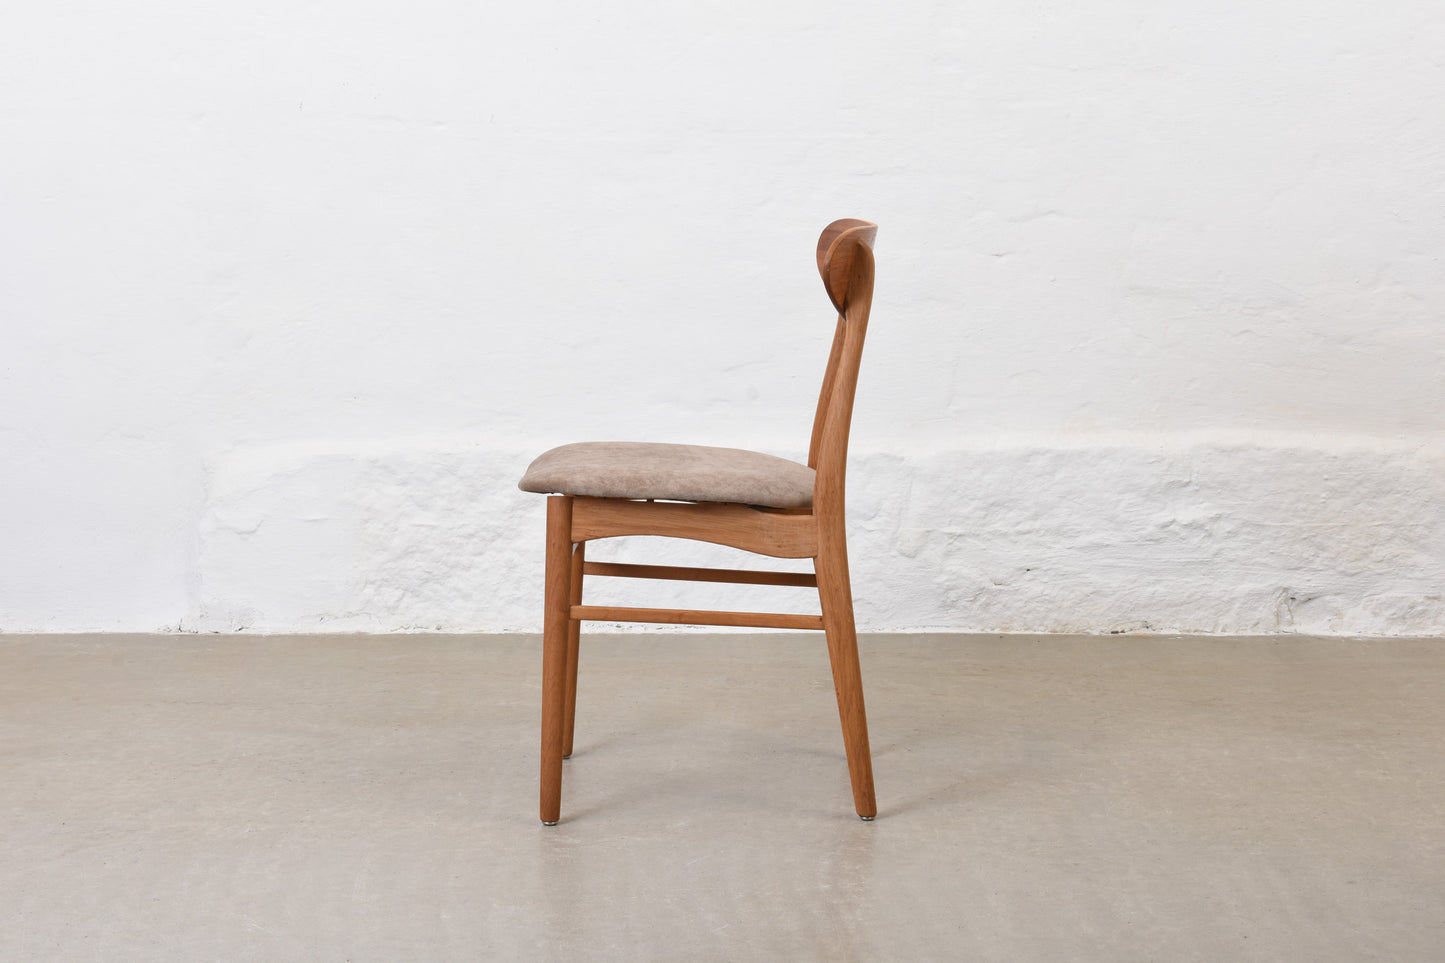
574, 638
555, 618
836, 596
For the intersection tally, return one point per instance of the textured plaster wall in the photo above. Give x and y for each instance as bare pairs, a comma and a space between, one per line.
290, 293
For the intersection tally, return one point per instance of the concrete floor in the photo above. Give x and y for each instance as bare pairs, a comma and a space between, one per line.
374, 798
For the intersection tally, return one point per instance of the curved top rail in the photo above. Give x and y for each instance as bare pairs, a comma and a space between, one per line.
837, 246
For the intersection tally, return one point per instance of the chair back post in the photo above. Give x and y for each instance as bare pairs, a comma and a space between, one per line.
845, 261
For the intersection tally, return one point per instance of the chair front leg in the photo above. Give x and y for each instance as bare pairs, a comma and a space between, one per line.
555, 618
836, 597
574, 639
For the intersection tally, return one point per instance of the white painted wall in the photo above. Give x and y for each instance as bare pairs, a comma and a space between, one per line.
292, 292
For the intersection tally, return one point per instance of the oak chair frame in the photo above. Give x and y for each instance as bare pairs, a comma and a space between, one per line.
845, 261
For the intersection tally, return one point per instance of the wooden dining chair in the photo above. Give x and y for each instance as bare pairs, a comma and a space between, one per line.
744, 499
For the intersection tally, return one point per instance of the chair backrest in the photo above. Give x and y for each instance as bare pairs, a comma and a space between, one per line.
845, 262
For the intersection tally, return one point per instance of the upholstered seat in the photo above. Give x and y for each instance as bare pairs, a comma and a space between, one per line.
682, 473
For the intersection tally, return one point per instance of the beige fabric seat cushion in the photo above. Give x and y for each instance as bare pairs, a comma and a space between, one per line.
683, 473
